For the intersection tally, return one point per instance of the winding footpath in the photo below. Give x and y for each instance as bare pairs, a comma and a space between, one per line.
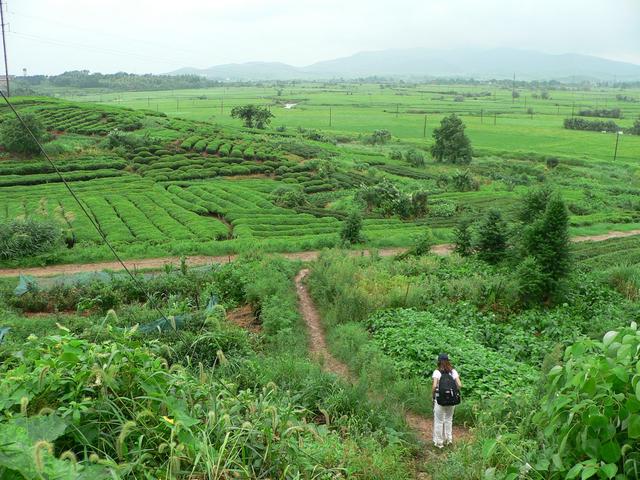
157, 263
422, 426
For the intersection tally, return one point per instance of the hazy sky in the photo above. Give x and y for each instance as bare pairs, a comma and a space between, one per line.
51, 36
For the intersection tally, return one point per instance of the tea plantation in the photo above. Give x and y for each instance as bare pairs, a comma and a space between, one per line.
166, 185
211, 372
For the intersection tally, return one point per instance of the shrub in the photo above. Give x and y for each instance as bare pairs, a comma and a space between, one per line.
351, 232
601, 112
378, 137
15, 137
415, 158
464, 182
395, 154
589, 417
21, 238
592, 125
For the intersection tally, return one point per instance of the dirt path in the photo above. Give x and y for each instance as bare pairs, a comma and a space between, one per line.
156, 263
319, 350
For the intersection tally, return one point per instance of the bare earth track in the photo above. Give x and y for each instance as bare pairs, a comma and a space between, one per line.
155, 263
422, 426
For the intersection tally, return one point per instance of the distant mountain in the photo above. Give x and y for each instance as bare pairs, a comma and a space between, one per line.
248, 71
419, 63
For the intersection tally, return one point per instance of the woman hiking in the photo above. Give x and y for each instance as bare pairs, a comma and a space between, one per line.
445, 392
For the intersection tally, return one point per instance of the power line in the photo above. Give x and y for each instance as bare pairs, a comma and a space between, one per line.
83, 208
4, 47
95, 48
93, 31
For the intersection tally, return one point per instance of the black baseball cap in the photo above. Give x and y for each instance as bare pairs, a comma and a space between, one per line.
442, 357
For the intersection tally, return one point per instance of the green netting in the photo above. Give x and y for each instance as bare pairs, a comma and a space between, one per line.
25, 284
164, 324
3, 332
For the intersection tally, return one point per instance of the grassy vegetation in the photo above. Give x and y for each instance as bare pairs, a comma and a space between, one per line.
390, 318
207, 400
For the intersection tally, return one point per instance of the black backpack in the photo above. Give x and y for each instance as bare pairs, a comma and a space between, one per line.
448, 393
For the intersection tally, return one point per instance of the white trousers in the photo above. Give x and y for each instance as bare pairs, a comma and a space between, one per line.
442, 423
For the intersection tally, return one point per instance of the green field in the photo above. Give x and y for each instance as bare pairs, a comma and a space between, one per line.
497, 124
235, 371
198, 183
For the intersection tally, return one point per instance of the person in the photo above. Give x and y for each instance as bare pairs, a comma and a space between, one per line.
443, 414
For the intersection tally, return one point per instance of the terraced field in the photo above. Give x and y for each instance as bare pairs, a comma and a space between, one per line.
188, 187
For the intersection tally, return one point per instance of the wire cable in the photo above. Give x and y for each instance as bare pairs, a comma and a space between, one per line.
83, 208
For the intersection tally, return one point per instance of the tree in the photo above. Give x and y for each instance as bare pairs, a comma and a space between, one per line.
352, 229
635, 130
15, 137
491, 243
463, 244
451, 143
252, 115
546, 240
534, 204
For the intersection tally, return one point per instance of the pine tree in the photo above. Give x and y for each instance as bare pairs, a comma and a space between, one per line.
547, 240
492, 238
463, 238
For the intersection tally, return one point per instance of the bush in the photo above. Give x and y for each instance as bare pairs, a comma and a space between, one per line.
601, 112
22, 238
378, 137
351, 232
415, 158
592, 125
464, 182
589, 416
395, 155
16, 139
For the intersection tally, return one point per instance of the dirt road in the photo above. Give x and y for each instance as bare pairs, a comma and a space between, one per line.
156, 263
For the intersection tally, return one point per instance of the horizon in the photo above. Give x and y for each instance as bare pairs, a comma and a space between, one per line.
147, 37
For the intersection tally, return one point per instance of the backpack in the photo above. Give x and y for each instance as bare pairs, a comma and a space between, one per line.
448, 392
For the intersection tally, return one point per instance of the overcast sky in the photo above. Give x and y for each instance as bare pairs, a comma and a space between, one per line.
140, 36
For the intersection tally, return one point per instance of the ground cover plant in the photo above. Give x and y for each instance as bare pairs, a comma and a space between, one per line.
196, 396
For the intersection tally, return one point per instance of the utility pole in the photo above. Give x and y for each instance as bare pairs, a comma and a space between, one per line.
495, 117
397, 108
4, 47
481, 115
424, 129
615, 152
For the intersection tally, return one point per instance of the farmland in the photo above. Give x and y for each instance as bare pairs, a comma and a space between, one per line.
199, 184
206, 372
